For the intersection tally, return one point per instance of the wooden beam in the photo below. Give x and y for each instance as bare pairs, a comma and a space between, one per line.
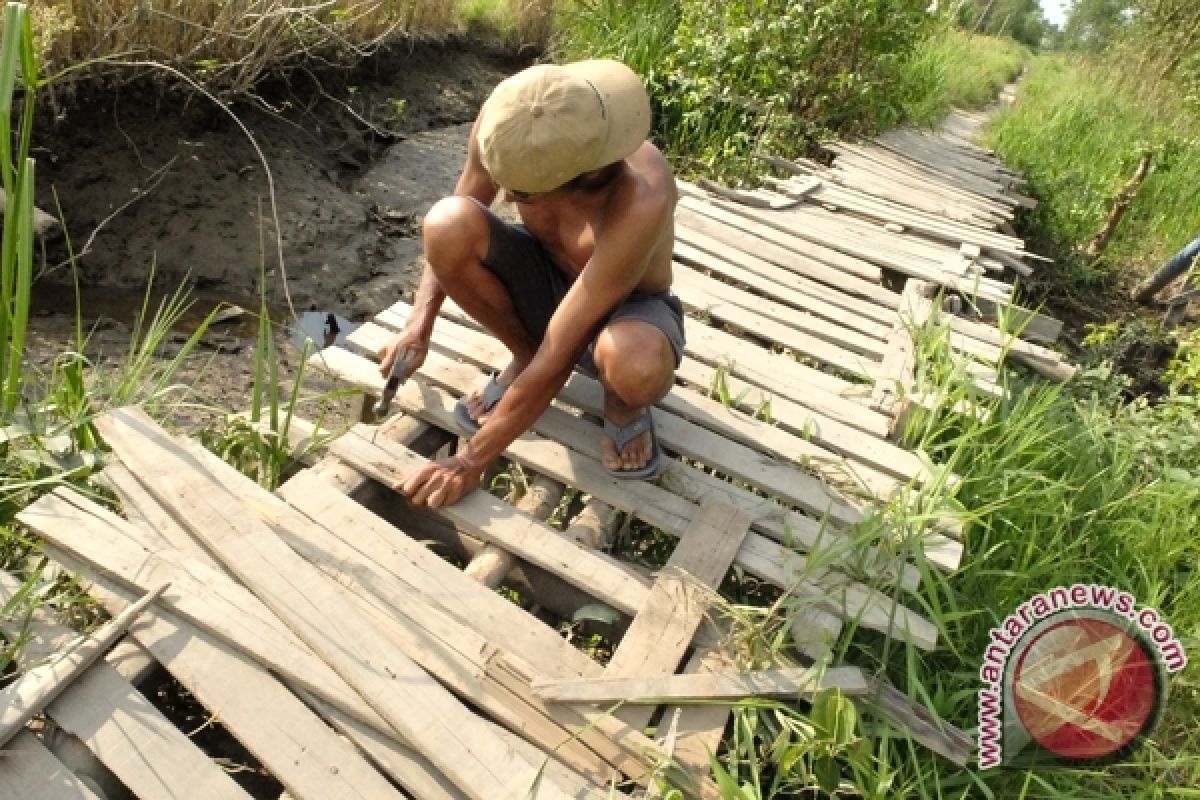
29, 694
718, 685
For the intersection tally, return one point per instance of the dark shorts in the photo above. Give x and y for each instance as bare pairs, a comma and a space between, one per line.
537, 287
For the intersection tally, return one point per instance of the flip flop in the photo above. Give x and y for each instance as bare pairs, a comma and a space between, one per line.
622, 435
493, 390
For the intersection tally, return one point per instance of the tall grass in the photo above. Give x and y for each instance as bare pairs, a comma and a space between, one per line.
955, 69
231, 44
1077, 131
1060, 484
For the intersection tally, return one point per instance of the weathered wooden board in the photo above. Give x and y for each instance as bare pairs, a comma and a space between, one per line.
662, 631
856, 314
729, 216
796, 682
28, 770
126, 733
706, 227
209, 660
462, 746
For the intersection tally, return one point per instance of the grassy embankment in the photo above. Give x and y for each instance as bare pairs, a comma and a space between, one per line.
1077, 132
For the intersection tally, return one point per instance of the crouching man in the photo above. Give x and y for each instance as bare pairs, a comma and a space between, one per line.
586, 279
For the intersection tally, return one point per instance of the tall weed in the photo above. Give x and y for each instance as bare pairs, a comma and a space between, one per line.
954, 69
1077, 131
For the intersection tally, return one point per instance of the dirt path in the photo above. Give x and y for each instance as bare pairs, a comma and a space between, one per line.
145, 178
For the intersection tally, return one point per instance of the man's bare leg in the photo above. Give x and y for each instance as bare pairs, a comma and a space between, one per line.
637, 369
457, 236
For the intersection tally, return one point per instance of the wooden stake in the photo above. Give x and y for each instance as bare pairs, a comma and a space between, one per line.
21, 701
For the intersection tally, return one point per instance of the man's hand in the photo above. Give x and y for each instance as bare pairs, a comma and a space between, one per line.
441, 483
412, 346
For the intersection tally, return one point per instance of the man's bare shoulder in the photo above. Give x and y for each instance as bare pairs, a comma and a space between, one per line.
646, 190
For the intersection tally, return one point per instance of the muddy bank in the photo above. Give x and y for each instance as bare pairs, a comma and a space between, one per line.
354, 160
151, 180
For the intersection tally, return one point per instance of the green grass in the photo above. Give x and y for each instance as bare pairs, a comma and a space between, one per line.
954, 69
1077, 132
1062, 484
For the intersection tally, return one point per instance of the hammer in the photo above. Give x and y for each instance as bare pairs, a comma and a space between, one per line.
401, 365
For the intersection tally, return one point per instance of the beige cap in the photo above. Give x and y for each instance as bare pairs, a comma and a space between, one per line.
547, 124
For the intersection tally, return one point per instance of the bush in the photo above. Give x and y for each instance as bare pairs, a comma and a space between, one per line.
774, 75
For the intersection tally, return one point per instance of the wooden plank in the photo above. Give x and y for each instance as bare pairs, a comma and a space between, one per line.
729, 214
826, 229
663, 629
465, 748
896, 380
492, 520
142, 748
914, 219
699, 229
124, 731
693, 441
28, 770
731, 685
852, 352
759, 555
254, 706
699, 728
857, 314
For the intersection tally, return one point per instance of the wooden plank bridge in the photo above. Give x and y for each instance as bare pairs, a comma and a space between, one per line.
319, 626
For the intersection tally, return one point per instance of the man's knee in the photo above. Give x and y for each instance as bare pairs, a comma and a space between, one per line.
635, 360
456, 234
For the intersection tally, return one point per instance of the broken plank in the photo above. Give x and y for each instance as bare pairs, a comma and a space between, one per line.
727, 685
207, 640
663, 629
464, 747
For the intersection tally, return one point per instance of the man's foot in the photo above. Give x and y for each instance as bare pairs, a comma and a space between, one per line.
474, 408
629, 447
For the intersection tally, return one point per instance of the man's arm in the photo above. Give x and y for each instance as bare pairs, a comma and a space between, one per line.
618, 264
413, 340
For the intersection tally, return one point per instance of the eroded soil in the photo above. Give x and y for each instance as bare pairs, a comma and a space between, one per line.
149, 180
